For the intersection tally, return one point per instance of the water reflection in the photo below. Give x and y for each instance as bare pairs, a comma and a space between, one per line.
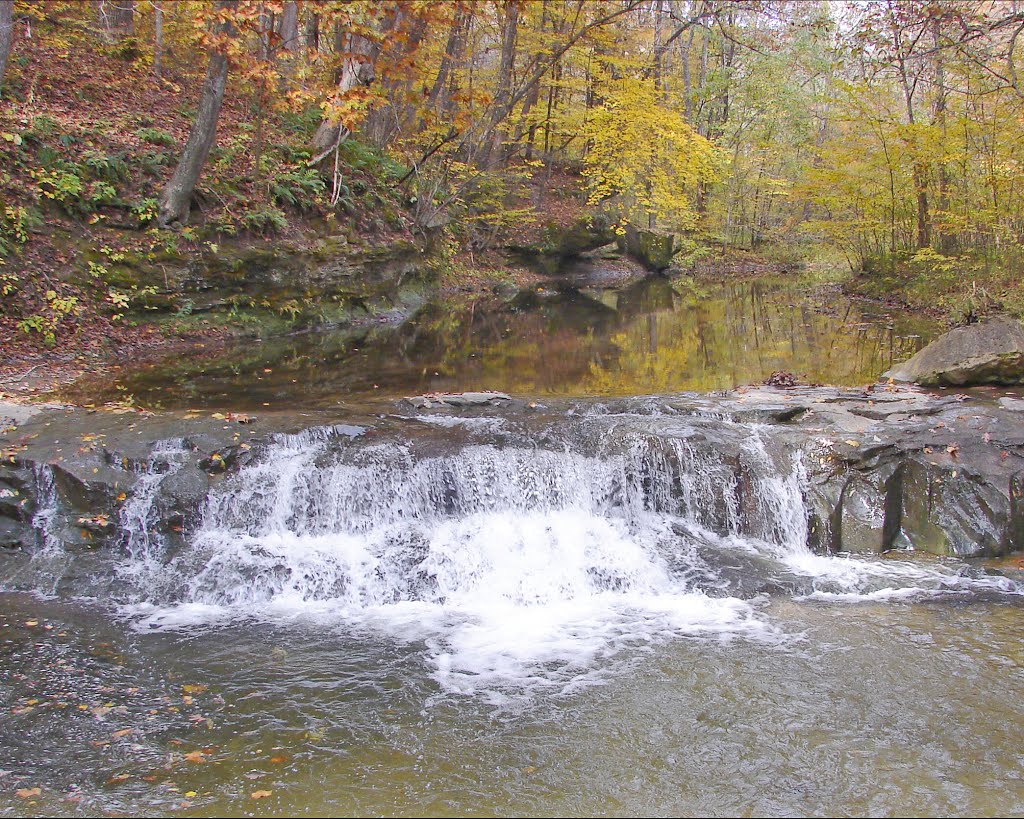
652, 336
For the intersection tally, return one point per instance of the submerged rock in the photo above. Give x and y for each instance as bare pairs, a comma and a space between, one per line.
988, 353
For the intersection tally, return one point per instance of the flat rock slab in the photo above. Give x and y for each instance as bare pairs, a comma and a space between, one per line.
991, 352
12, 414
457, 399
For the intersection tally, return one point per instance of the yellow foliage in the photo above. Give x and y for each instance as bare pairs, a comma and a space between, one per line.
646, 155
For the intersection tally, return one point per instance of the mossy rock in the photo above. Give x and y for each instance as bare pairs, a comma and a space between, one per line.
652, 249
555, 244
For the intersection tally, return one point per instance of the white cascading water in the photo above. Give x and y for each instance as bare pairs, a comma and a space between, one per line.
509, 563
506, 561
139, 518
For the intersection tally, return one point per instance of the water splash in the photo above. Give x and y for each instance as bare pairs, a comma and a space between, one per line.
510, 561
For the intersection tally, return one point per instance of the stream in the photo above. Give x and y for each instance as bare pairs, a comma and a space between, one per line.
578, 603
650, 336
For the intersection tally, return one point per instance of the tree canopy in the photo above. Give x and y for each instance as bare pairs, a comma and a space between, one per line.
887, 128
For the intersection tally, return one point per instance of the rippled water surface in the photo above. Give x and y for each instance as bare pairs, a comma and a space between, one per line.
864, 710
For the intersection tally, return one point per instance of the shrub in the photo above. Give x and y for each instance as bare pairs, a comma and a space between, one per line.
157, 136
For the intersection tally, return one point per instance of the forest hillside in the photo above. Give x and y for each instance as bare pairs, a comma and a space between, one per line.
135, 135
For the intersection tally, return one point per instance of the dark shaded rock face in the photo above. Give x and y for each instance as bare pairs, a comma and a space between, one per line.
988, 353
556, 245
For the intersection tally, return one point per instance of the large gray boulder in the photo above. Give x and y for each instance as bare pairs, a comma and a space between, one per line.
991, 352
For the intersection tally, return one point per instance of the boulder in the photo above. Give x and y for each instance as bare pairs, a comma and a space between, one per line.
653, 250
991, 352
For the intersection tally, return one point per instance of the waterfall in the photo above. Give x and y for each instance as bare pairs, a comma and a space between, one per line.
505, 552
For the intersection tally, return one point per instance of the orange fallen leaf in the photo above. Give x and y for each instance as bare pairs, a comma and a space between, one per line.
260, 794
194, 689
195, 756
277, 760
28, 793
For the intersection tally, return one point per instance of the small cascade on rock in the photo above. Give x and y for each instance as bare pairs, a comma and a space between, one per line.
141, 517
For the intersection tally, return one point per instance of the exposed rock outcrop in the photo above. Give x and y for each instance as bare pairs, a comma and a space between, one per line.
555, 245
991, 352
652, 249
881, 469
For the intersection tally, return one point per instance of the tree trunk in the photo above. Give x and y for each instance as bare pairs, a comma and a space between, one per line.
358, 68
406, 30
441, 92
117, 19
524, 128
125, 18
158, 44
290, 26
312, 35
264, 29
493, 137
659, 47
6, 34
687, 83
175, 201
920, 165
946, 242
264, 54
